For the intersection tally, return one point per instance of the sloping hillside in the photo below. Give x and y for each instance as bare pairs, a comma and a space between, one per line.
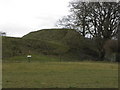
56, 42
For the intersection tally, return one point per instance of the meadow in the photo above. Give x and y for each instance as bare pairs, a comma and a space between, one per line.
86, 74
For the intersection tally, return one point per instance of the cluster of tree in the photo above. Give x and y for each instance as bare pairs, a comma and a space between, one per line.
98, 20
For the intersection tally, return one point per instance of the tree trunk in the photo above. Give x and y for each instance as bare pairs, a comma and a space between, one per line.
100, 46
117, 58
102, 54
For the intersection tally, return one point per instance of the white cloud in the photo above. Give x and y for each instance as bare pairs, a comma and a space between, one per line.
19, 17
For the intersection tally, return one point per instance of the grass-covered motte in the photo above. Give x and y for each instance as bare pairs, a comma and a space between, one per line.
65, 43
55, 42
60, 75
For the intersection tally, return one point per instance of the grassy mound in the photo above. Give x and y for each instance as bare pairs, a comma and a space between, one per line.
62, 43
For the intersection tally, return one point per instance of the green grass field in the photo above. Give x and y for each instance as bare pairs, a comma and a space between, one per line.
60, 75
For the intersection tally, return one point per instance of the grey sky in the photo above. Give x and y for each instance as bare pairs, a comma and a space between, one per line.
19, 17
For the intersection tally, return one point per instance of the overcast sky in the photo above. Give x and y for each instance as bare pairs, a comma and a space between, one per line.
19, 17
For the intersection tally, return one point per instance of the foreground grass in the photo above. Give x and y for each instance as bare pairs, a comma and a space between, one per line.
60, 75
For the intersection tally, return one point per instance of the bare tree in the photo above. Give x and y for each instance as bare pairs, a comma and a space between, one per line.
104, 19
77, 19
98, 19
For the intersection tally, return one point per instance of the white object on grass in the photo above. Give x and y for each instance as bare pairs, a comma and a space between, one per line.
29, 56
